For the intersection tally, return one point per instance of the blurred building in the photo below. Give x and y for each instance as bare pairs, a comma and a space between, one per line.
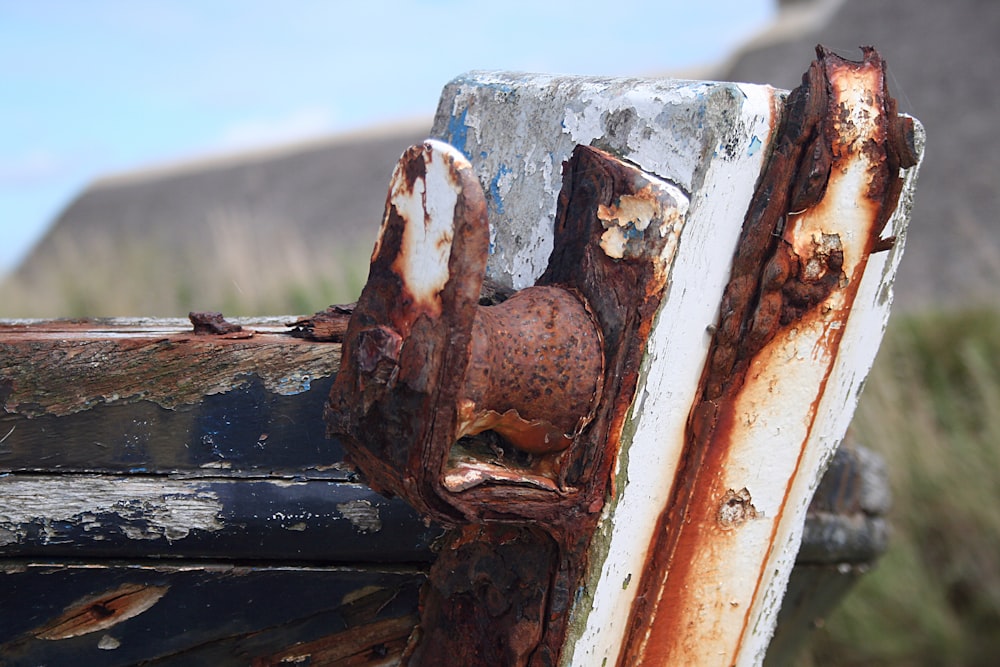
942, 57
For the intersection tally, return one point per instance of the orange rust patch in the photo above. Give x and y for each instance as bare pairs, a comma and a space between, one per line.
102, 612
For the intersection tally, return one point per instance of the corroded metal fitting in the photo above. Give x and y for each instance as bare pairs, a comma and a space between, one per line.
535, 372
503, 421
501, 412
425, 366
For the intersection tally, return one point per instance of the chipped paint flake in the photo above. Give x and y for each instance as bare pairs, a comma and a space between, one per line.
626, 221
362, 514
142, 509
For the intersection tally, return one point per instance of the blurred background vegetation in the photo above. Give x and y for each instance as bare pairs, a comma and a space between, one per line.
931, 408
231, 267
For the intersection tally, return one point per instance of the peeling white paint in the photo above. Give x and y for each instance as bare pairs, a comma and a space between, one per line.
362, 514
675, 357
148, 509
531, 123
428, 206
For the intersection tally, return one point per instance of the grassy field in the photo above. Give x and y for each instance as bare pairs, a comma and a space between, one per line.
230, 270
931, 407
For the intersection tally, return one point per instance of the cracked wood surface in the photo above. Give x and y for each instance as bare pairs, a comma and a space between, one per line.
151, 396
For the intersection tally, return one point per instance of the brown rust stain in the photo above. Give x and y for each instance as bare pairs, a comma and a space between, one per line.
60, 368
792, 274
102, 612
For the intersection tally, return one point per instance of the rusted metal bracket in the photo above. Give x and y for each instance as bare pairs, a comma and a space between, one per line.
471, 414
507, 414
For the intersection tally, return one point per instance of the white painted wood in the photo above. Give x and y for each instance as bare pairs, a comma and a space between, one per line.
674, 130
710, 140
837, 403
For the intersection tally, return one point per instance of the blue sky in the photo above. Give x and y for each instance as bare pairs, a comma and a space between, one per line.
90, 88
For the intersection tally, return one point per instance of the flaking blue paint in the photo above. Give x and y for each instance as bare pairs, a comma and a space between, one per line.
502, 171
755, 145
458, 131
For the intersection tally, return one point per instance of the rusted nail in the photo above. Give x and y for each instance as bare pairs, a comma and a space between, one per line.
212, 323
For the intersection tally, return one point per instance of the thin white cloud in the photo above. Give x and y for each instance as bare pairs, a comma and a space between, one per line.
257, 133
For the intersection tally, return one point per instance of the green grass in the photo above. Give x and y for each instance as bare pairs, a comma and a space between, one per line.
931, 407
232, 270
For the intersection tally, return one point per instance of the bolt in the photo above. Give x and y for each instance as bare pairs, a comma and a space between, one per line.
535, 372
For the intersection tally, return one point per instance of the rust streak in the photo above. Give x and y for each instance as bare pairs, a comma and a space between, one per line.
828, 189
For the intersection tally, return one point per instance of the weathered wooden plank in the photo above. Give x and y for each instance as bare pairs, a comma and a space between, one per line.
212, 605
144, 516
151, 396
191, 614
169, 366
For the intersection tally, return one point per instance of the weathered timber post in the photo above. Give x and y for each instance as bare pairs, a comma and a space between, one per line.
654, 516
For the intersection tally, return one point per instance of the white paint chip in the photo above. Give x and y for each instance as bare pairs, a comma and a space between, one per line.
362, 514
